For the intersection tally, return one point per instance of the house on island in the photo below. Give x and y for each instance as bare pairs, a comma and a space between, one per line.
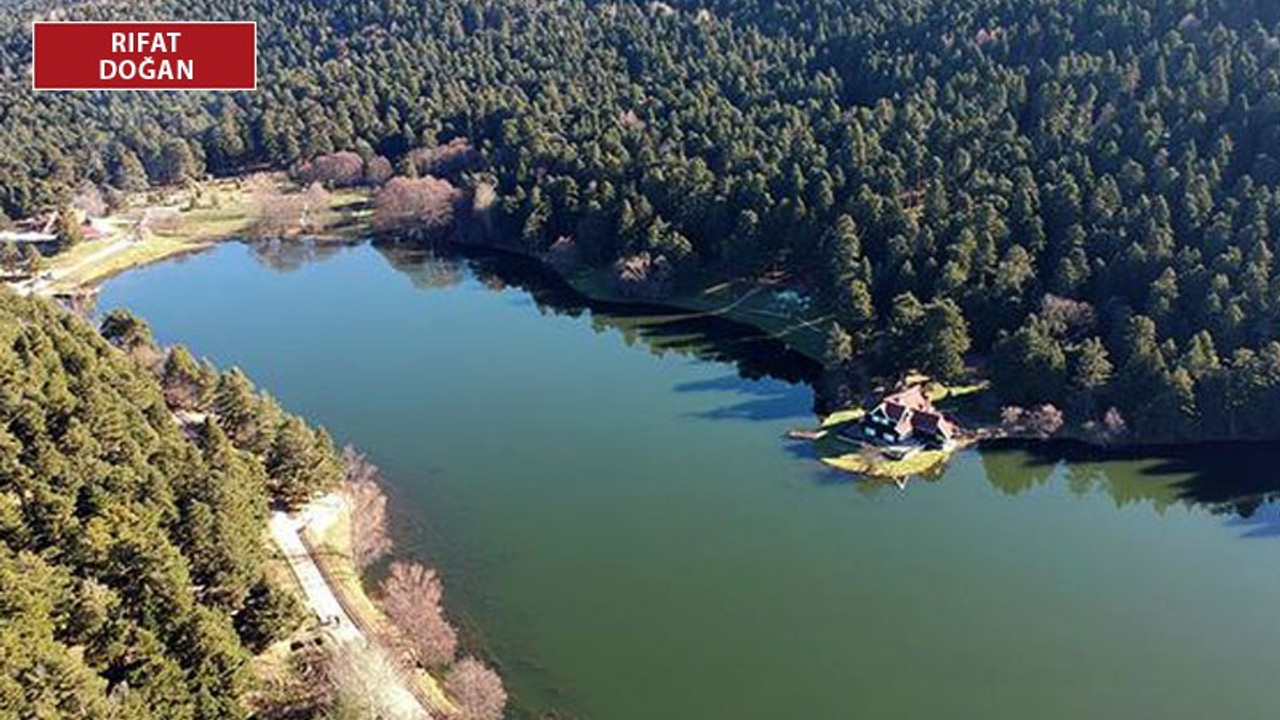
905, 417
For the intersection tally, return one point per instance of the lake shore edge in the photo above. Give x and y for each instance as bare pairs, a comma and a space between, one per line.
737, 301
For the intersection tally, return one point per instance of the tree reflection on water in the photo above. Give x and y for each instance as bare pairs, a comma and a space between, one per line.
1227, 479
1237, 479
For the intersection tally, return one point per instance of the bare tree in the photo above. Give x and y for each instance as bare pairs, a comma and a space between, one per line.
278, 212
281, 213
453, 157
1113, 425
415, 204
302, 689
363, 679
1066, 317
642, 275
314, 201
629, 120
340, 169
89, 200
1044, 421
369, 539
377, 170
411, 596
476, 690
164, 221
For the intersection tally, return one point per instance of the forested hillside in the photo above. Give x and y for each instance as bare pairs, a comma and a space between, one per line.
132, 582
1083, 194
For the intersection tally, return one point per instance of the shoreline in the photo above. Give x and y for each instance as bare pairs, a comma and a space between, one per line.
162, 225
346, 221
326, 546
317, 590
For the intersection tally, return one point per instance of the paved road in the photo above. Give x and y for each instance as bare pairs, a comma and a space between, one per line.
398, 702
42, 284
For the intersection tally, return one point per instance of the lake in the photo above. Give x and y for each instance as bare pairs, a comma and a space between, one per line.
622, 526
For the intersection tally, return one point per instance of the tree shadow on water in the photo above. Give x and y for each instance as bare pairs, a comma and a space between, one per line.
1237, 480
1263, 521
764, 400
664, 329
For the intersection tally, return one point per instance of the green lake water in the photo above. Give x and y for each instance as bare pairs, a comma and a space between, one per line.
621, 525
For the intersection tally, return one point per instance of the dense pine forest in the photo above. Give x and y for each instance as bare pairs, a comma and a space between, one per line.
1078, 197
132, 523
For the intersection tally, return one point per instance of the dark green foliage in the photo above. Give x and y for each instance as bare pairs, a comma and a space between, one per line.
128, 173
839, 348
301, 462
187, 384
126, 330
176, 164
1030, 365
250, 419
980, 152
67, 229
127, 547
269, 614
933, 338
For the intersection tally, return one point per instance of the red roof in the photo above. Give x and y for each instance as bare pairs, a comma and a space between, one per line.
894, 410
933, 423
909, 411
913, 398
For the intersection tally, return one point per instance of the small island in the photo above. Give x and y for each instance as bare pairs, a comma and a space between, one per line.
902, 434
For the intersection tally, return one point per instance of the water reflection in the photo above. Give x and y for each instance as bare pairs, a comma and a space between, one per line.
289, 255
426, 269
1229, 480
755, 354
1235, 479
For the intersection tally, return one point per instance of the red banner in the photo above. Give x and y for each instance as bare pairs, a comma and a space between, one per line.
144, 56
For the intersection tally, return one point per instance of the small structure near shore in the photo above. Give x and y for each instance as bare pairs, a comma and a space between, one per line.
902, 436
906, 417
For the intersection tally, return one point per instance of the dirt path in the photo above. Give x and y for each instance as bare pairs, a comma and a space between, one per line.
396, 699
43, 285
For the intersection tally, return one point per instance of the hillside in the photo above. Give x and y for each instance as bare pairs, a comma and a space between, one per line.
132, 549
1079, 196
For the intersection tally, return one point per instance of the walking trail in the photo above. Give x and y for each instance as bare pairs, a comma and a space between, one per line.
396, 700
43, 284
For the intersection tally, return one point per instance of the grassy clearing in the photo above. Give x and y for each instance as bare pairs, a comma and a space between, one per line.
347, 217
191, 219
843, 417
82, 274
874, 465
232, 207
740, 301
939, 392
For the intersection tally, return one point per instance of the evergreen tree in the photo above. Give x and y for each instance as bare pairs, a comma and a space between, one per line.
67, 229
839, 349
31, 261
128, 174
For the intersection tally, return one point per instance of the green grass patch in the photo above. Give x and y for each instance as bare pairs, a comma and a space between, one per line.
843, 417
742, 301
846, 456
